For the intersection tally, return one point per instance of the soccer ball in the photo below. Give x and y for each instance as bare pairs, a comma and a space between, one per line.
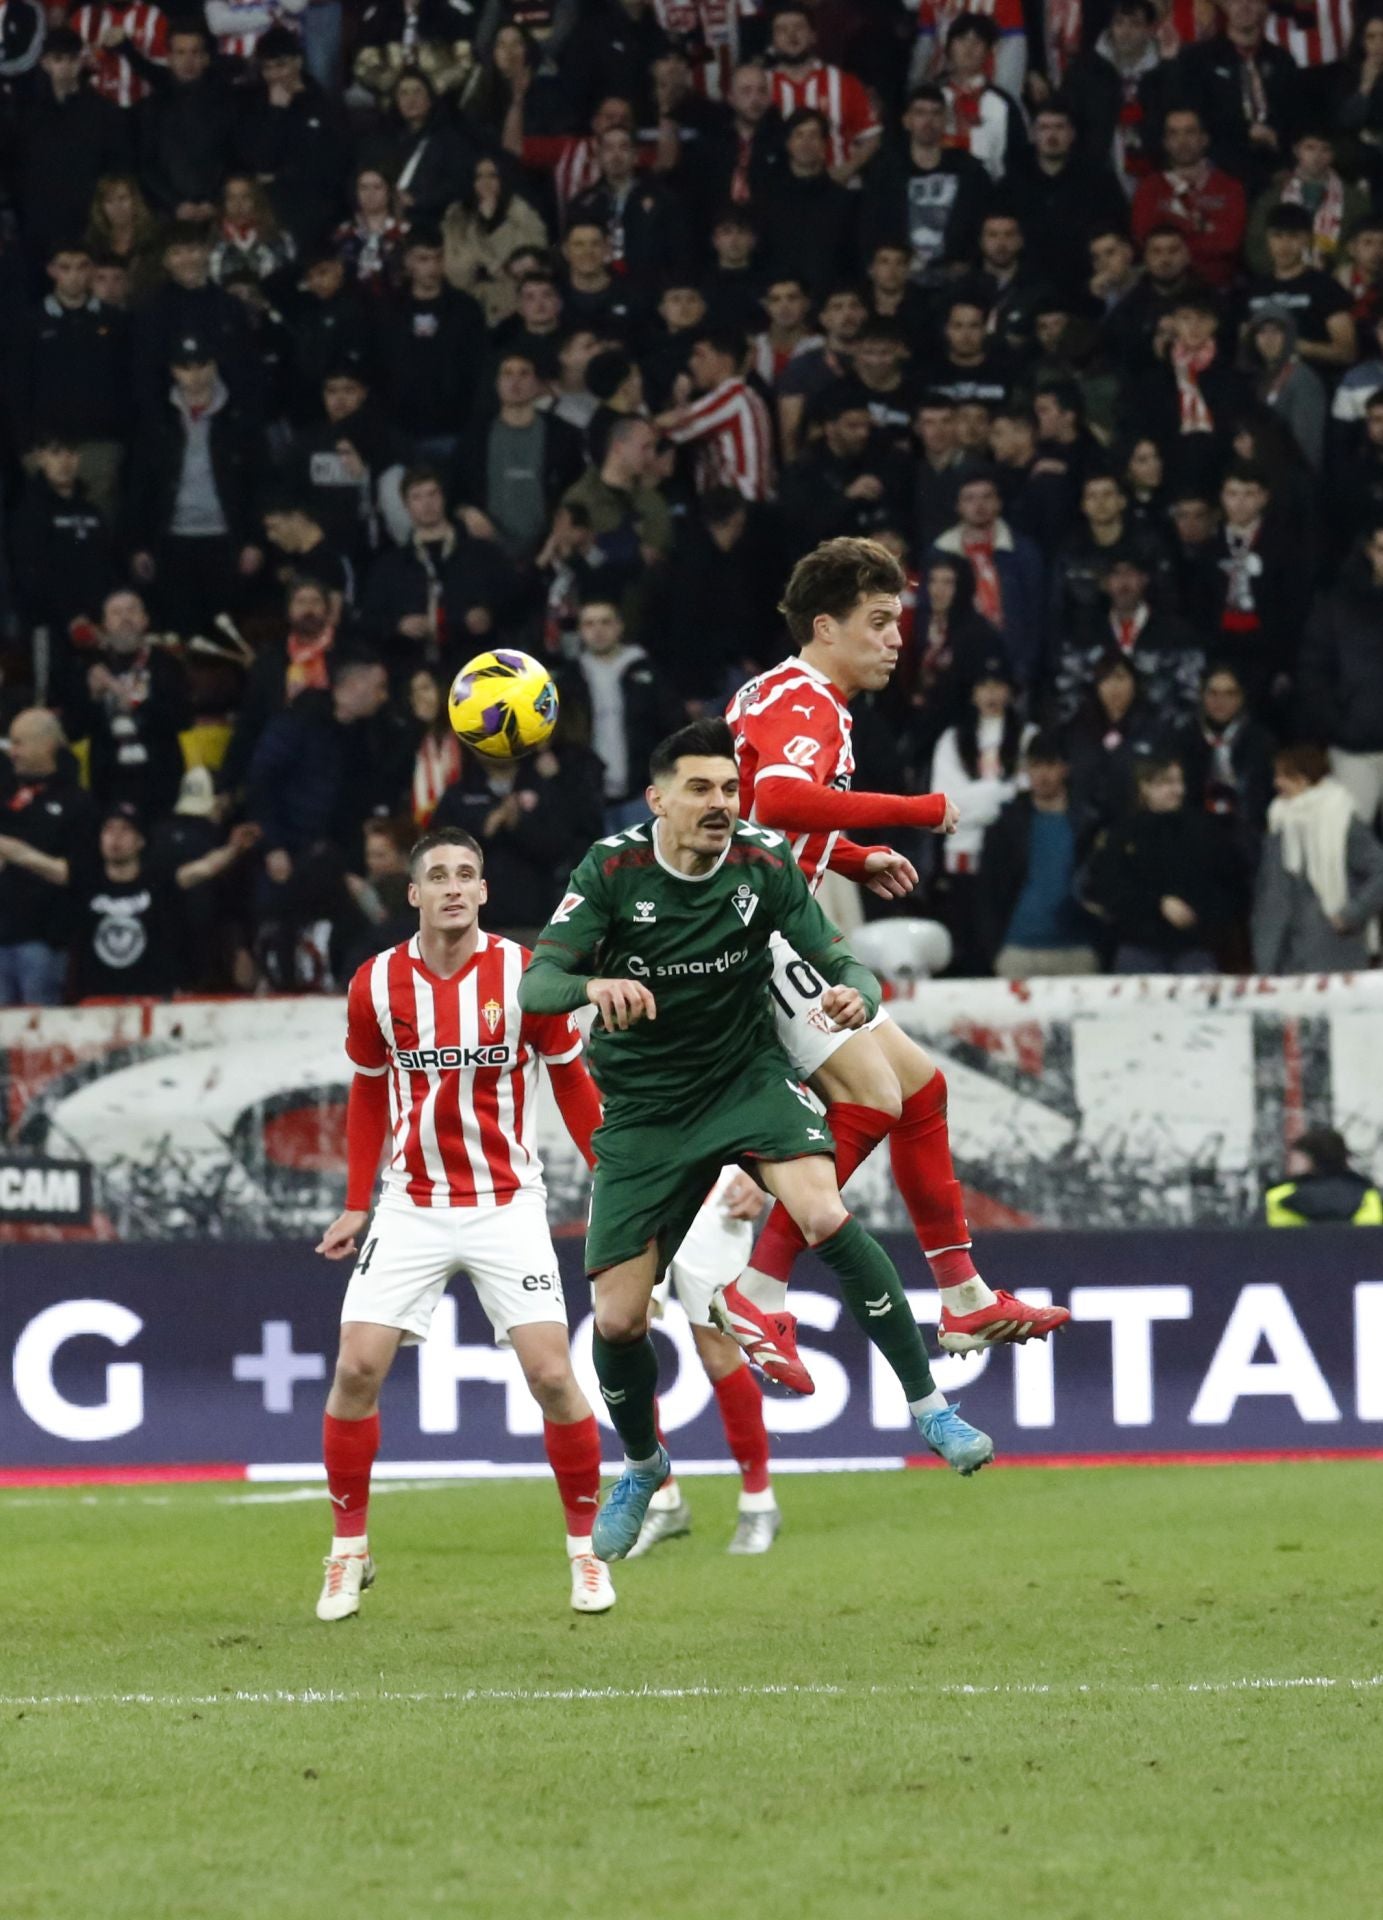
503, 704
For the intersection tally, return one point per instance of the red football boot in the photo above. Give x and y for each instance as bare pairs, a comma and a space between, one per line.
1006, 1321
769, 1339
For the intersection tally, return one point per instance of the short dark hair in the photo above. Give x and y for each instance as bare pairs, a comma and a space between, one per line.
1046, 749
928, 91
420, 476
833, 578
1324, 1147
1305, 761
443, 837
1289, 218
709, 738
976, 23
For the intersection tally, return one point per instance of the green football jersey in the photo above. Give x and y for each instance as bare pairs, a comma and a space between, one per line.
699, 943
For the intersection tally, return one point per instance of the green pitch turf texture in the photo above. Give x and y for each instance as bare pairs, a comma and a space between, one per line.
807, 1747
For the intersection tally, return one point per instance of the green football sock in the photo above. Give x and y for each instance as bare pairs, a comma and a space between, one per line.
628, 1376
870, 1287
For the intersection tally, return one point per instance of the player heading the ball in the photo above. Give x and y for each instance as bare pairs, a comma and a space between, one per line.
446, 1073
666, 929
792, 740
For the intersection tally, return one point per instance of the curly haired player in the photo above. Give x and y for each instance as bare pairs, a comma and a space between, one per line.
792, 741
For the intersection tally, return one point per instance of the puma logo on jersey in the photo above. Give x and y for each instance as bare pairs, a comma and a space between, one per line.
808, 711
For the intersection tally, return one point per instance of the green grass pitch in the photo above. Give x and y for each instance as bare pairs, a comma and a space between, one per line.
1033, 1694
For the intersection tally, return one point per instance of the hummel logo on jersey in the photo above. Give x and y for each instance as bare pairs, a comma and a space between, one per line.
566, 907
745, 902
492, 1013
815, 1133
877, 1308
644, 913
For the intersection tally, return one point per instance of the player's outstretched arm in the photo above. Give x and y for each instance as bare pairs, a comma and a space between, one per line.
801, 806
577, 1102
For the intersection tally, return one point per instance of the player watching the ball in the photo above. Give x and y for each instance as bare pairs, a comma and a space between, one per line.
792, 730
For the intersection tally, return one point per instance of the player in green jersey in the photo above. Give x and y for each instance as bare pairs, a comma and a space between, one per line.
665, 930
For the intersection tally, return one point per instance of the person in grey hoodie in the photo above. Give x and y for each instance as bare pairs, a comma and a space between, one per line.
1294, 391
1320, 878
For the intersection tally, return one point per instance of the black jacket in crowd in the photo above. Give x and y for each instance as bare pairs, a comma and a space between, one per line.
564, 462
471, 574
429, 354
1004, 871
655, 236
526, 864
1341, 672
53, 815
1208, 77
301, 151
313, 778
208, 314
809, 230
651, 710
72, 373
64, 557
1145, 857
64, 149
156, 459
186, 132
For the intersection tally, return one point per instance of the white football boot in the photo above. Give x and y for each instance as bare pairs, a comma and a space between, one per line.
592, 1590
756, 1532
662, 1523
347, 1576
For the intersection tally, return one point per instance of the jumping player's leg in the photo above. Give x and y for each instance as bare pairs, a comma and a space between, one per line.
571, 1440
714, 1251
871, 1288
626, 1366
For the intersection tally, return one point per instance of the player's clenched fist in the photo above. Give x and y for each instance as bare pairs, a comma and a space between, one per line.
845, 1007
338, 1242
950, 820
621, 1002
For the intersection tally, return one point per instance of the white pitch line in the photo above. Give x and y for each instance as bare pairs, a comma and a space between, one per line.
473, 1696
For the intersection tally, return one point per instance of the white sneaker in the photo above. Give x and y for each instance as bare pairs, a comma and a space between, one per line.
347, 1576
592, 1590
659, 1524
756, 1532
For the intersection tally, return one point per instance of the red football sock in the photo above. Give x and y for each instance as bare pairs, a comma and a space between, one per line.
573, 1453
742, 1415
920, 1148
348, 1450
857, 1131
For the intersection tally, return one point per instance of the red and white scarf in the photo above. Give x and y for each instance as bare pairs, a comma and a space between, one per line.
1188, 365
436, 767
1328, 218
978, 549
1128, 628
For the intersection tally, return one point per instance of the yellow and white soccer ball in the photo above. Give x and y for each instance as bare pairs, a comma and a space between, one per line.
503, 704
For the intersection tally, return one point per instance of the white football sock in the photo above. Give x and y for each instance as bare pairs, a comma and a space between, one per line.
576, 1546
757, 1502
933, 1403
768, 1295
343, 1547
968, 1297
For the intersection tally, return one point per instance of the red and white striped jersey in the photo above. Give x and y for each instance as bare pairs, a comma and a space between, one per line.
462, 1060
145, 29
1314, 42
732, 432
573, 160
839, 95
791, 724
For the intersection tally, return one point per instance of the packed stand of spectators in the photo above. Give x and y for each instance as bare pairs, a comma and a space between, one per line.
339, 344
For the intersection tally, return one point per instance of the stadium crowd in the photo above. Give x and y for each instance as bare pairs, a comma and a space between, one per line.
338, 345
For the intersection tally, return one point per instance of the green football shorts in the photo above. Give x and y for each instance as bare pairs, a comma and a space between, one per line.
655, 1168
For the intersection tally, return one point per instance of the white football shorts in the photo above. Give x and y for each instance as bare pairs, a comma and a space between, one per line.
715, 1252
411, 1253
807, 1035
